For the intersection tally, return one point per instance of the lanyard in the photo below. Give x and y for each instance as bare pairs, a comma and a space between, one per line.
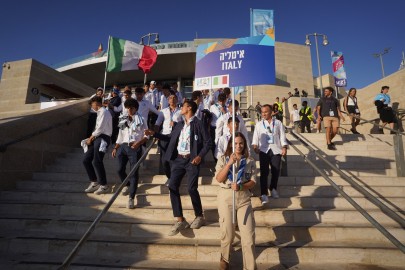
219, 109
330, 103
268, 128
184, 133
172, 113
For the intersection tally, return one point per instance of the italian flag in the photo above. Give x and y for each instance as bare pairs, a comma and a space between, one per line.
127, 55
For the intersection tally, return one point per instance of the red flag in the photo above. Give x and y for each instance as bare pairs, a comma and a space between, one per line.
148, 59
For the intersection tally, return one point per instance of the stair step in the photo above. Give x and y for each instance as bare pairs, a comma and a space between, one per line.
283, 180
310, 227
44, 262
148, 188
193, 250
159, 229
208, 199
265, 216
211, 171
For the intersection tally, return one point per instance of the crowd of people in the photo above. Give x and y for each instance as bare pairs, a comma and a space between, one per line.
187, 130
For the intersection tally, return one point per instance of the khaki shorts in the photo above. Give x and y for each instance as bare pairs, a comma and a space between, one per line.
329, 121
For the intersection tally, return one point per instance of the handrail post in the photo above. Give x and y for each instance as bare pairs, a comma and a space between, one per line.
399, 155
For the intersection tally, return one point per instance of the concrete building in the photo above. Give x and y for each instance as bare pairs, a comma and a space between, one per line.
176, 63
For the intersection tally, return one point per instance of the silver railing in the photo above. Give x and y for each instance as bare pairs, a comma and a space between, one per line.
85, 237
354, 184
398, 143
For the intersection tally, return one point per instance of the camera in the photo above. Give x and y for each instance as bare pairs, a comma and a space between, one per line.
122, 121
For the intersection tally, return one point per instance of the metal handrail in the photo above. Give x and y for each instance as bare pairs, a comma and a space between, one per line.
3, 147
371, 122
66, 263
359, 188
398, 144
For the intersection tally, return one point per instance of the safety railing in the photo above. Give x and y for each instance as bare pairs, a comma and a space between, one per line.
375, 124
398, 142
3, 147
355, 185
85, 237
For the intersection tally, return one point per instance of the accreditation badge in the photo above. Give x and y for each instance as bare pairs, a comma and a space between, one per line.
270, 138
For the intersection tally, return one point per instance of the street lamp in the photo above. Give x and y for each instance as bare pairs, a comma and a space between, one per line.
386, 50
157, 41
324, 43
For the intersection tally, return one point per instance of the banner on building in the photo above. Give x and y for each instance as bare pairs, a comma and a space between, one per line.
262, 23
235, 62
338, 69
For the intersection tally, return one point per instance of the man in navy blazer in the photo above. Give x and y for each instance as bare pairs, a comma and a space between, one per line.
189, 142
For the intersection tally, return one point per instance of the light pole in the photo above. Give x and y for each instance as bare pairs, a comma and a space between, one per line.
324, 43
157, 41
386, 50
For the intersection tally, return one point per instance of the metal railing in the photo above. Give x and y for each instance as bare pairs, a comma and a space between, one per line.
398, 143
66, 263
359, 188
3, 147
373, 123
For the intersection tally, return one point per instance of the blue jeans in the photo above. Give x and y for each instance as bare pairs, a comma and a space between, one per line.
95, 157
164, 165
179, 168
125, 154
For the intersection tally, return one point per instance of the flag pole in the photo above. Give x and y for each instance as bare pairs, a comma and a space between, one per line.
106, 62
233, 148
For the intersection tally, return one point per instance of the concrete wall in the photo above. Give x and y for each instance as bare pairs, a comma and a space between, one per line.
21, 159
366, 95
20, 77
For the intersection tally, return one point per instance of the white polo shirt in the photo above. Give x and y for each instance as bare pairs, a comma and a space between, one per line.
166, 116
183, 147
262, 130
134, 130
222, 145
103, 123
215, 109
222, 126
145, 107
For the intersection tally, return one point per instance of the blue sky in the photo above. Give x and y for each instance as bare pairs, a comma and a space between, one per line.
54, 31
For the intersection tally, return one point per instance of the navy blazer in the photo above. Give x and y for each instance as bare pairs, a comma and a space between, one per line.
200, 141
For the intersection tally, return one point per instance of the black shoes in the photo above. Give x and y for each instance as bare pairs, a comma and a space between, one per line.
331, 146
354, 131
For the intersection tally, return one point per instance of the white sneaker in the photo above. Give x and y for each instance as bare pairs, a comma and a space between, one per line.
125, 191
264, 199
102, 190
178, 226
131, 203
274, 194
92, 187
197, 223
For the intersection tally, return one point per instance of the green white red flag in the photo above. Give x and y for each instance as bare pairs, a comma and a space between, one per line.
128, 55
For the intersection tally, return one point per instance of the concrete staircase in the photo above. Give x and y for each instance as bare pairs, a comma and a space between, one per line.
309, 227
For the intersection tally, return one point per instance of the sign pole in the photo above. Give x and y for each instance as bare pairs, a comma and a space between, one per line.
233, 149
106, 63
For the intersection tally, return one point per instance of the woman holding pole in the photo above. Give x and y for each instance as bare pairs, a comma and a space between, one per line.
234, 195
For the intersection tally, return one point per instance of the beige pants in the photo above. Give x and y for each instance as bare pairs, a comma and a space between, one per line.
246, 225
